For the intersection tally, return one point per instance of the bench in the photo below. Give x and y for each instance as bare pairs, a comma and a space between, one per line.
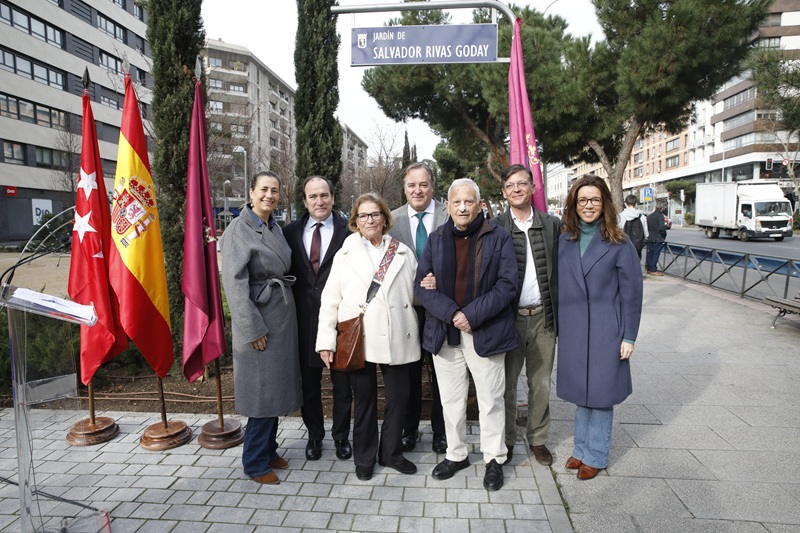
784, 306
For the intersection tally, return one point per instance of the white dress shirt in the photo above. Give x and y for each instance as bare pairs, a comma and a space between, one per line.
529, 294
325, 232
414, 221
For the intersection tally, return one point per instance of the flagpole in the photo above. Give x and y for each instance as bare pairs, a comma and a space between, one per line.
94, 430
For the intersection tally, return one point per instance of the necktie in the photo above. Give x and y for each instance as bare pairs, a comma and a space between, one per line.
422, 234
316, 245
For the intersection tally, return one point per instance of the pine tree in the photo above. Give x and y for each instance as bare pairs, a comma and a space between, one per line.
176, 36
319, 135
406, 152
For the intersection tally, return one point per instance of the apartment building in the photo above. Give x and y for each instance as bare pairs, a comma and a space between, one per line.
45, 46
731, 137
252, 124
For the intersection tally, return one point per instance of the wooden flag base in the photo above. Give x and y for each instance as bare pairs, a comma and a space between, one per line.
162, 436
215, 437
84, 433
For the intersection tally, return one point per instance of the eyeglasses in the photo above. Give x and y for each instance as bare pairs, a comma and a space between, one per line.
594, 201
362, 217
511, 185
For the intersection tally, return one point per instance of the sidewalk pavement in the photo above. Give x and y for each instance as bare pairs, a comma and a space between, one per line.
708, 442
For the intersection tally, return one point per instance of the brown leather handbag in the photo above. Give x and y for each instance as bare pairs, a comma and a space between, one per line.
349, 355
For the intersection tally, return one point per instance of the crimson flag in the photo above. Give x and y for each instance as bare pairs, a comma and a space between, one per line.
88, 269
203, 322
523, 139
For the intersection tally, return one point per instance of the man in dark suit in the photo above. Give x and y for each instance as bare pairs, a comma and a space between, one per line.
314, 239
413, 222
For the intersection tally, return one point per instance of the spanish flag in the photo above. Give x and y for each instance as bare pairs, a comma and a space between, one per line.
136, 273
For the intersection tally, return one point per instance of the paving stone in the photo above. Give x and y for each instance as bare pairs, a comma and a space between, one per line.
360, 507
725, 500
230, 528
363, 522
450, 525
264, 517
415, 524
192, 527
341, 522
306, 519
186, 512
229, 515
469, 510
442, 510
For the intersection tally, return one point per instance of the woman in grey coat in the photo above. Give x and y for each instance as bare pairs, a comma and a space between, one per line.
266, 368
599, 308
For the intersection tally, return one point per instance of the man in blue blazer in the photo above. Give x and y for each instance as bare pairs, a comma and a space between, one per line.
314, 239
407, 228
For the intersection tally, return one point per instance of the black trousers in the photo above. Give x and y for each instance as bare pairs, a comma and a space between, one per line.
414, 411
365, 411
312, 413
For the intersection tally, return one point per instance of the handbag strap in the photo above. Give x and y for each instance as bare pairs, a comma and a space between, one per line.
377, 279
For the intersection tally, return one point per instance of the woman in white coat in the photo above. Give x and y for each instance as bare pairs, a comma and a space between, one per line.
391, 334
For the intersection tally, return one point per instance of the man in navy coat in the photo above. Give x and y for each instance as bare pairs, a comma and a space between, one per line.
470, 325
311, 265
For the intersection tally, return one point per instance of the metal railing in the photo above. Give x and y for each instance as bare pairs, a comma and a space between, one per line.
748, 275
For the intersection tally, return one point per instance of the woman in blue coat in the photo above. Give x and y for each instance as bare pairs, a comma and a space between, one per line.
600, 304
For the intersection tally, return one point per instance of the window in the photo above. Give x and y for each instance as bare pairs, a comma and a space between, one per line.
673, 161
273, 106
674, 144
31, 25
109, 27
283, 111
214, 62
215, 105
238, 128
40, 74
236, 87
138, 12
215, 84
216, 127
738, 120
27, 112
273, 124
638, 158
773, 19
273, 142
638, 171
769, 42
13, 153
109, 101
120, 3
740, 98
110, 63
768, 115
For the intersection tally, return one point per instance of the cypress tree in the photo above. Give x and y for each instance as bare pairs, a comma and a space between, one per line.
176, 36
406, 152
319, 136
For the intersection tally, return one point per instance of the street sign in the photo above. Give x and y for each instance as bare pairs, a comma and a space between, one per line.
647, 194
786, 162
424, 45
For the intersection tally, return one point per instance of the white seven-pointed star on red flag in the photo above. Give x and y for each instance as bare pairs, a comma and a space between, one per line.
88, 271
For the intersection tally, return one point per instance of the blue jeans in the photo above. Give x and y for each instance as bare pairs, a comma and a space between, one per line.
653, 253
260, 446
593, 435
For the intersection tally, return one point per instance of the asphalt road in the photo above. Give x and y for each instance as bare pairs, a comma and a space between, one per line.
789, 248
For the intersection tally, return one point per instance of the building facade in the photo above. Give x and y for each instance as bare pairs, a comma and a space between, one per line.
45, 46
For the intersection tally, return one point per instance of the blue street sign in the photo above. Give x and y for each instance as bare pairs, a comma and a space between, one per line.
647, 194
417, 45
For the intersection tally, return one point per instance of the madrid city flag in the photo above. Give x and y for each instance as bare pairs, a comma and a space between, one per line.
203, 322
137, 274
91, 244
520, 123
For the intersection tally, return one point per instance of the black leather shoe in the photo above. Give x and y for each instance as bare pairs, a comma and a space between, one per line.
410, 441
493, 479
439, 443
447, 468
510, 454
406, 467
364, 473
313, 450
343, 449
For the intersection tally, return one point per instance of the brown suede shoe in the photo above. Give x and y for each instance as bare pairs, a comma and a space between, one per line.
542, 455
573, 464
267, 479
280, 463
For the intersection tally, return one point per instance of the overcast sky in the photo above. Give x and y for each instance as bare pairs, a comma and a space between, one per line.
268, 28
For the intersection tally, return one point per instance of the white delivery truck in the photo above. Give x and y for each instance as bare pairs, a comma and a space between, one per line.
743, 209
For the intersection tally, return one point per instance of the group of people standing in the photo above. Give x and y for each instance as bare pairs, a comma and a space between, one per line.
438, 284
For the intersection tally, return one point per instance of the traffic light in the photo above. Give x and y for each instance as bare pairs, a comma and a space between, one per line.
769, 163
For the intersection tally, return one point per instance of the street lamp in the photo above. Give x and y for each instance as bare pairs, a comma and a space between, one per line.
243, 151
225, 201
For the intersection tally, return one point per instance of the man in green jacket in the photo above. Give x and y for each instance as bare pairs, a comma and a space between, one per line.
535, 238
